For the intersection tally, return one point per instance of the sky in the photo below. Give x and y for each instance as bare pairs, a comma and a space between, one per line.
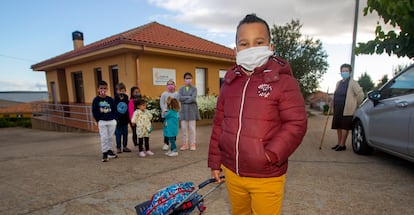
33, 31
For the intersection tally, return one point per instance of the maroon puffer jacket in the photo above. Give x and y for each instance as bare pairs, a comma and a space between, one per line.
258, 114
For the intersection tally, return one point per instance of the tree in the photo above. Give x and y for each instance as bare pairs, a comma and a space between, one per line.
397, 13
382, 81
366, 82
307, 57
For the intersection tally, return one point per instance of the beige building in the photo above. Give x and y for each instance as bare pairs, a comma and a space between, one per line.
146, 56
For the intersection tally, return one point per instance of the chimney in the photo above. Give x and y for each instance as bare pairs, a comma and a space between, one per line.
77, 38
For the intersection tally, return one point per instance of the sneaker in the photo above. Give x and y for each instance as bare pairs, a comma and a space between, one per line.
172, 154
118, 150
150, 153
111, 154
105, 157
126, 149
192, 146
142, 154
184, 147
165, 147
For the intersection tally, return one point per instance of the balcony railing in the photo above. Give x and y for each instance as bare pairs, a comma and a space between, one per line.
71, 115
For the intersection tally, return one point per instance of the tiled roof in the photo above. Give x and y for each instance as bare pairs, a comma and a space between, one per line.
151, 35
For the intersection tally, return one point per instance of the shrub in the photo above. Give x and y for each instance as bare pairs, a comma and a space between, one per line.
15, 122
153, 106
206, 107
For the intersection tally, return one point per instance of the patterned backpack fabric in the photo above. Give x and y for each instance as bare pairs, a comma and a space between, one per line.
164, 201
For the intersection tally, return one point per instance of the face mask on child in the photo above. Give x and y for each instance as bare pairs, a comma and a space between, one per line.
188, 81
170, 87
253, 57
102, 92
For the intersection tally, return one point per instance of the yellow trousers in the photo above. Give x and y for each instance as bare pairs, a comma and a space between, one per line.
254, 196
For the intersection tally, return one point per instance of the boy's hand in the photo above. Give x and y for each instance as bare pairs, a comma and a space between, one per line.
216, 174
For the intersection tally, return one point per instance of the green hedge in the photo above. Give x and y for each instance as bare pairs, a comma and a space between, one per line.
15, 122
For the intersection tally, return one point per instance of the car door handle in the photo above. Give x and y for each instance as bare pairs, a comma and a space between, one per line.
402, 104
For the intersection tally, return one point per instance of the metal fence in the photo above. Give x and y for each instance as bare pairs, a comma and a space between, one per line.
73, 115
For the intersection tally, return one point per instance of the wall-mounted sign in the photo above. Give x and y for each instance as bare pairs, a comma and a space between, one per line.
160, 76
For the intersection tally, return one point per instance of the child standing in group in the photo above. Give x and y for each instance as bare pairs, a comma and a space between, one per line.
103, 110
170, 92
171, 125
142, 119
121, 131
189, 114
135, 96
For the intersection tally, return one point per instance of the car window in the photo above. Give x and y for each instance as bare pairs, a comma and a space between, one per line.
401, 85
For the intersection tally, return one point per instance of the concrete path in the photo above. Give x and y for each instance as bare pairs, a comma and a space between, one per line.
61, 173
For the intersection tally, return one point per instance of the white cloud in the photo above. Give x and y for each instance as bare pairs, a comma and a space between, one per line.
22, 85
330, 21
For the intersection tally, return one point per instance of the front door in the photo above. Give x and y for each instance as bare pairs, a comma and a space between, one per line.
79, 89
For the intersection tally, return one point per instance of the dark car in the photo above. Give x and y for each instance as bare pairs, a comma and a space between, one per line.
385, 120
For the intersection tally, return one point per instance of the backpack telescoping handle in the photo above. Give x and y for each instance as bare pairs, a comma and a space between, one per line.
200, 186
208, 181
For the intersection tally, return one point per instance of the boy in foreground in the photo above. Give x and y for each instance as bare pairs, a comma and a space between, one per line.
259, 122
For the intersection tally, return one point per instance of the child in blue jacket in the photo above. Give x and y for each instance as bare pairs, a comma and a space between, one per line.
171, 125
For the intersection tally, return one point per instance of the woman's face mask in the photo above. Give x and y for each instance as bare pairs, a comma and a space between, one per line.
253, 57
345, 75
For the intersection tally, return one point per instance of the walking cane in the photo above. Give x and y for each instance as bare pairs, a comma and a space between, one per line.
327, 118
324, 130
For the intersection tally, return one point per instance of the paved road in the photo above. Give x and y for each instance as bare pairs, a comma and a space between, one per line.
60, 173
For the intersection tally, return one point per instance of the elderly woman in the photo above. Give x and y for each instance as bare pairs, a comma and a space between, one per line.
347, 97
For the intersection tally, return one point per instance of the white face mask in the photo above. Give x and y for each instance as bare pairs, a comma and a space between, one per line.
253, 57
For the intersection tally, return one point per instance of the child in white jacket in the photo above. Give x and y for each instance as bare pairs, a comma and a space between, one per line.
142, 118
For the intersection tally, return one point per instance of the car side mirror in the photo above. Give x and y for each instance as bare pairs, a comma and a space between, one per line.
374, 96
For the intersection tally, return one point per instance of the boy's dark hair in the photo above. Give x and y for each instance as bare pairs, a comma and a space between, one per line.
345, 65
187, 73
120, 86
102, 83
139, 102
252, 18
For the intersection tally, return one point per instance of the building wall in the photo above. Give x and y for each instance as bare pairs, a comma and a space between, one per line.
133, 70
53, 76
181, 66
126, 73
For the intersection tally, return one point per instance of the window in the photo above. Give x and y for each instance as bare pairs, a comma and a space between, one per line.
200, 81
222, 73
78, 87
98, 75
114, 77
401, 85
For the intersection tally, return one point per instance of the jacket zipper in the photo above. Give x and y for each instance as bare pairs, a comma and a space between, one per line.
240, 125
